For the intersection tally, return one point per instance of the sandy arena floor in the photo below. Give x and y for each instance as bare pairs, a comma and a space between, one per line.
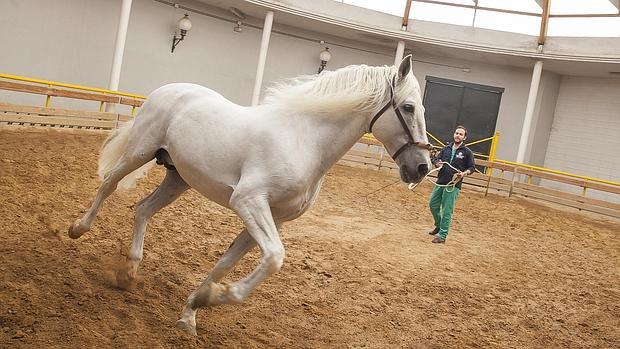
360, 270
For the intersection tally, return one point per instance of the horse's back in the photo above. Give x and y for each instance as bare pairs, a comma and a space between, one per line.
178, 104
176, 96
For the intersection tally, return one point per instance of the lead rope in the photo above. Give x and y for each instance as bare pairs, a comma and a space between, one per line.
450, 184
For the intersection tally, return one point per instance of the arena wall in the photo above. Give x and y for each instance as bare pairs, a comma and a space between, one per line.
73, 41
585, 129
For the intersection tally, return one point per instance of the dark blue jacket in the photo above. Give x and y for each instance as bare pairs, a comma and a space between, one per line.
463, 160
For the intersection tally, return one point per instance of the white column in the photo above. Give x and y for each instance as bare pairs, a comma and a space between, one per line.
400, 51
262, 57
529, 111
119, 49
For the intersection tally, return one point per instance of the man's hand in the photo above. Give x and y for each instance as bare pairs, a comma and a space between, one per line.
460, 175
439, 163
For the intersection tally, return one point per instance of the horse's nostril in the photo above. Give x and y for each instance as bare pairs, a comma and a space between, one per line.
422, 169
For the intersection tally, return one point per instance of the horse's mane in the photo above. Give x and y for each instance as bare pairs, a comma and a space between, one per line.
356, 88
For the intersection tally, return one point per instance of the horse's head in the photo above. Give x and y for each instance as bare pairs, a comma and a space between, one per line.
400, 125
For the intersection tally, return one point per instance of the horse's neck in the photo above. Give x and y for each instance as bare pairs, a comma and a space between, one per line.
333, 135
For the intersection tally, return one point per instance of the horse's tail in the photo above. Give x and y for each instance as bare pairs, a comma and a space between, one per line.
111, 152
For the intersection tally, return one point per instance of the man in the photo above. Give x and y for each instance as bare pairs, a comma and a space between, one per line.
443, 198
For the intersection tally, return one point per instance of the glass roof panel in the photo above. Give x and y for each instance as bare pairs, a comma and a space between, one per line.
530, 25
572, 7
462, 2
584, 27
509, 22
393, 7
442, 13
521, 5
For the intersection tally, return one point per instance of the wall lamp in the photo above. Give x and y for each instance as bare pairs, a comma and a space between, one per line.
240, 18
184, 26
324, 56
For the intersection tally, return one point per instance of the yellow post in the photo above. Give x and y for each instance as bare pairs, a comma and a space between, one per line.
583, 192
48, 99
101, 106
133, 110
492, 152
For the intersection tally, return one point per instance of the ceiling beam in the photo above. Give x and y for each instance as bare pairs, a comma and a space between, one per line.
544, 20
406, 15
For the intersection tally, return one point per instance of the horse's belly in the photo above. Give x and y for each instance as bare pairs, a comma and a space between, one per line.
213, 190
213, 181
200, 160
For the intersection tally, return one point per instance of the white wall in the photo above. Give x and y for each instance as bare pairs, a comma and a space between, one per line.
212, 54
585, 133
543, 118
73, 40
63, 40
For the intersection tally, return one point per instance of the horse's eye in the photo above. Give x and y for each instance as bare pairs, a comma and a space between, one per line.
408, 108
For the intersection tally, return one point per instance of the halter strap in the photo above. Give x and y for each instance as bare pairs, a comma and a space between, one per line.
411, 141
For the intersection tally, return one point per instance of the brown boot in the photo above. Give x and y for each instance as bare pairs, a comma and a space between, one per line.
438, 240
434, 231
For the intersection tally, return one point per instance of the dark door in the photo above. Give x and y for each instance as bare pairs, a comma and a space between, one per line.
450, 103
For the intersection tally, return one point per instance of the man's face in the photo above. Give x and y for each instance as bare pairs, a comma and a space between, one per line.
459, 135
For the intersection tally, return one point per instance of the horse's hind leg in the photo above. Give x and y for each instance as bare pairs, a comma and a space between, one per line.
170, 189
124, 167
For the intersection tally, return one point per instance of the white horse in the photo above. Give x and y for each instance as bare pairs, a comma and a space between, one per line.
266, 163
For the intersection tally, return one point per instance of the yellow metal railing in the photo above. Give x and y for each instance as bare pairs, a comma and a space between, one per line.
567, 174
48, 83
492, 158
480, 141
77, 87
435, 138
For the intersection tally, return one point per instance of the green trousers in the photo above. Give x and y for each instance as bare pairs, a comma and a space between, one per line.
442, 206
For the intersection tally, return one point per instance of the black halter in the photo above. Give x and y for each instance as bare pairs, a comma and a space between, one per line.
411, 141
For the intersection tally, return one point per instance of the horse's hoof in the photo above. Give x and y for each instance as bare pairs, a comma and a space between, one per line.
124, 280
75, 231
187, 327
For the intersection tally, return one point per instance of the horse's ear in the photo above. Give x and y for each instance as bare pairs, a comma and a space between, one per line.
405, 67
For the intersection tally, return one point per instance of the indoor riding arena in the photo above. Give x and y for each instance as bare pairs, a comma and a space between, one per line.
532, 255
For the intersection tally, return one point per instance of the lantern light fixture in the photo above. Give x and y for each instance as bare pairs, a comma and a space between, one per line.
324, 56
184, 26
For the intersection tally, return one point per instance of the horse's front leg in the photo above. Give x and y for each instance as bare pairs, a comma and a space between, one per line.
242, 244
256, 214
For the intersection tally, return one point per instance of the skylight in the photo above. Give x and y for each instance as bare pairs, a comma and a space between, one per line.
518, 16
